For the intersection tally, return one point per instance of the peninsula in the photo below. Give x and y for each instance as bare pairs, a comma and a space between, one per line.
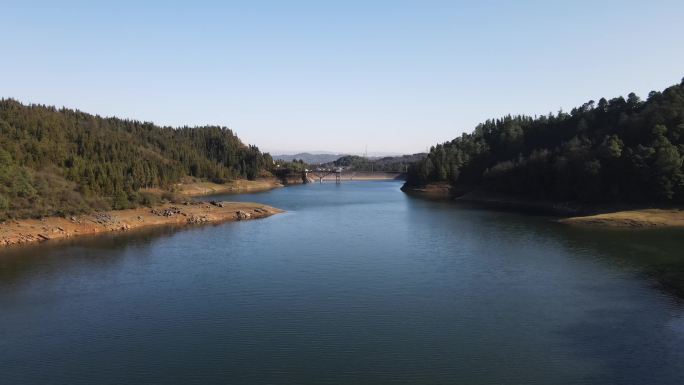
25, 231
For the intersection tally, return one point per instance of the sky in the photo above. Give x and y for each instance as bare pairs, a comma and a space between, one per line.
341, 76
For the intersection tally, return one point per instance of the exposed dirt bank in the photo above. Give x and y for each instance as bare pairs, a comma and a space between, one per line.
233, 187
15, 232
434, 190
632, 219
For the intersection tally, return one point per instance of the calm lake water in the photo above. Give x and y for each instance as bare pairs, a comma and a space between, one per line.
355, 284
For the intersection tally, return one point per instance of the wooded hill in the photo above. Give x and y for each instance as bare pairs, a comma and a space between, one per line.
62, 161
617, 150
388, 163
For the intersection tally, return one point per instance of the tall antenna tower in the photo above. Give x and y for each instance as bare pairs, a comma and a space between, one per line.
365, 155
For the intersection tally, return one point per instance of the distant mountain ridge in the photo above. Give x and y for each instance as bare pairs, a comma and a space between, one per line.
386, 163
309, 158
323, 157
356, 162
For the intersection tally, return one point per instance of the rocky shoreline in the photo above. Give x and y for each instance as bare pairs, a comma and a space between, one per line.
26, 231
645, 218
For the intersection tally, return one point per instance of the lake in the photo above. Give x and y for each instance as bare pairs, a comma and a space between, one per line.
357, 283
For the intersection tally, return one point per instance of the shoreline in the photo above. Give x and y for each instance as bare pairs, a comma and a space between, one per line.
643, 218
361, 176
234, 187
433, 190
361, 179
572, 213
30, 231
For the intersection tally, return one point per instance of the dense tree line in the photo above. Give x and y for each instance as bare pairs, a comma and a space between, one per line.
61, 161
388, 163
618, 150
287, 170
296, 165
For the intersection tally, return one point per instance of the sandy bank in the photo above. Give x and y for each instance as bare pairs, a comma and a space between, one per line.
436, 190
15, 232
632, 219
233, 187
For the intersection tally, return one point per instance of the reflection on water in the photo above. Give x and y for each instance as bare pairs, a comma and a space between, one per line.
356, 283
21, 262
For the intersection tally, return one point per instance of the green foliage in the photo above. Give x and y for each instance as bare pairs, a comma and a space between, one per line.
4, 202
148, 199
618, 150
388, 163
355, 163
285, 170
60, 161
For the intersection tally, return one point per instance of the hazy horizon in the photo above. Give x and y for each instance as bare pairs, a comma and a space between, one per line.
395, 77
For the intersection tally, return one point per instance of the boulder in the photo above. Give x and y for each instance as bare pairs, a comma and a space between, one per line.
243, 215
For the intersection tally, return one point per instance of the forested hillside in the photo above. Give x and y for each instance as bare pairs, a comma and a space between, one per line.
607, 151
62, 161
387, 163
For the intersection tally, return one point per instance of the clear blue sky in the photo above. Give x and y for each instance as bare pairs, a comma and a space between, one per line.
397, 76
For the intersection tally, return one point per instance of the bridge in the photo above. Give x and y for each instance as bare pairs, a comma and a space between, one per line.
321, 173
339, 175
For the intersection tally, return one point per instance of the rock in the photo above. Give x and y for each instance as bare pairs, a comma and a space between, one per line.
103, 218
171, 211
198, 219
243, 215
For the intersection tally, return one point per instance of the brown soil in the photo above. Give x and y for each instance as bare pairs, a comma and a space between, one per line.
430, 190
237, 186
15, 232
632, 218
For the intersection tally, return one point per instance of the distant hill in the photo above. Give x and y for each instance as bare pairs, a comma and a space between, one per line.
62, 161
387, 163
309, 158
